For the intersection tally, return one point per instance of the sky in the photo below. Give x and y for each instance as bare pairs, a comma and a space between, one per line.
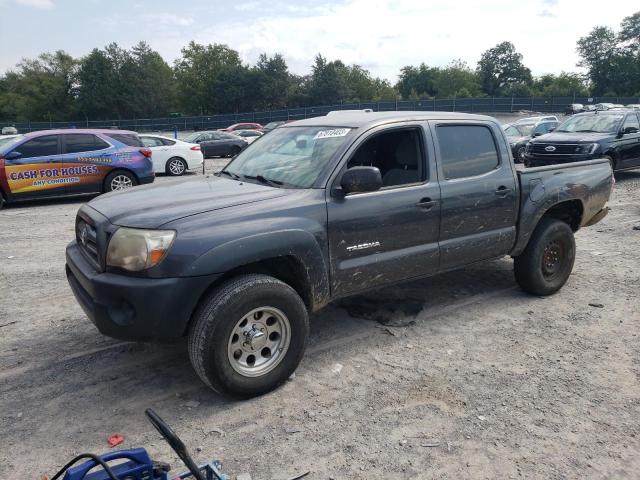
380, 35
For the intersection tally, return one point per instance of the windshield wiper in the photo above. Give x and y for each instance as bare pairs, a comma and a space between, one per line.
266, 181
231, 174
566, 131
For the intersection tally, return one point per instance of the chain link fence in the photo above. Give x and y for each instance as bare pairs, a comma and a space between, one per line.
489, 105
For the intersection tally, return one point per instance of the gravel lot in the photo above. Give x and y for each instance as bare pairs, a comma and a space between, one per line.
457, 376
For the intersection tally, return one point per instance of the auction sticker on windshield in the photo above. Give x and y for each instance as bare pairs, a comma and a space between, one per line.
333, 133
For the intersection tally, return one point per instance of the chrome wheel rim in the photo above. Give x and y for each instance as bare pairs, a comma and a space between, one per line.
121, 182
259, 341
176, 167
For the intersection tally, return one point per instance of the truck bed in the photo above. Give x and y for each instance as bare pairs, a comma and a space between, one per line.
586, 184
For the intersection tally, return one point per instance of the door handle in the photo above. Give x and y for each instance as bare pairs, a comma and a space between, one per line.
503, 191
426, 203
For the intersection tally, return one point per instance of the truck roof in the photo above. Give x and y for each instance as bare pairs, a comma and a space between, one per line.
370, 119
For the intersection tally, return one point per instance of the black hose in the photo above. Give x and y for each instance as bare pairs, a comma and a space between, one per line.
92, 456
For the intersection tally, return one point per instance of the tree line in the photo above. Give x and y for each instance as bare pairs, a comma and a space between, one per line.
113, 83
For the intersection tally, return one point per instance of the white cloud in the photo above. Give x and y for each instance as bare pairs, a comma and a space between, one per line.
43, 4
168, 19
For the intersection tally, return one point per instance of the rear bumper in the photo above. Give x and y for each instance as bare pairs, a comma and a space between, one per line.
133, 308
149, 178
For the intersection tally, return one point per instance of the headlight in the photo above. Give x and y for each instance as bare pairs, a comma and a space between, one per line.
589, 148
134, 249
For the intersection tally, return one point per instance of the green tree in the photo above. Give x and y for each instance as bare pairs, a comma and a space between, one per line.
566, 84
502, 72
40, 89
598, 51
457, 79
418, 82
198, 72
630, 30
271, 81
328, 82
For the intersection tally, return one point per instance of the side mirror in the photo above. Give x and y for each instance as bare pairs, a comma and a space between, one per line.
12, 155
551, 129
361, 179
536, 134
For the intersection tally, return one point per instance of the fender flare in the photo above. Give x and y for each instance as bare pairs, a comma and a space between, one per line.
299, 244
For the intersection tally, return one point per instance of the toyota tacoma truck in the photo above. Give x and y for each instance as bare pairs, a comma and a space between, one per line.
320, 209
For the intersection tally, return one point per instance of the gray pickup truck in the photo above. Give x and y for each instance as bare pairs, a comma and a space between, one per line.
313, 211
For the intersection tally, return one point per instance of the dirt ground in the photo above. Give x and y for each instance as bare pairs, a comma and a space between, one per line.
457, 376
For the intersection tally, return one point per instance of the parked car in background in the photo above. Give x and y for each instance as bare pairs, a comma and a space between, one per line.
610, 134
242, 126
535, 120
634, 106
604, 106
589, 108
6, 139
217, 144
519, 136
271, 125
52, 163
9, 130
172, 156
574, 108
249, 135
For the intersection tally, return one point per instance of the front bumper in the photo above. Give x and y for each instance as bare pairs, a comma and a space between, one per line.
134, 308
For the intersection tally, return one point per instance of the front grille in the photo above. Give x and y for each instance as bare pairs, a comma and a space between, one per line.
87, 239
559, 148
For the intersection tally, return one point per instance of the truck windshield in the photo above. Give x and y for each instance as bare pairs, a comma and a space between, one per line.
288, 157
591, 123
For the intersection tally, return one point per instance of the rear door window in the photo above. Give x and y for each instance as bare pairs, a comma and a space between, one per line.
166, 141
83, 142
151, 142
130, 139
44, 146
631, 121
466, 150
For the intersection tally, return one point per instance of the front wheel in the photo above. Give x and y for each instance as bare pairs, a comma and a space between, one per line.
545, 265
248, 336
119, 180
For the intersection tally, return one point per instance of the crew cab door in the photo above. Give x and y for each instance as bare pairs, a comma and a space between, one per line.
34, 168
630, 142
390, 234
478, 191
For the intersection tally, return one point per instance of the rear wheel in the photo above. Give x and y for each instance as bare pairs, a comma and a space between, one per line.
235, 150
545, 265
520, 154
248, 336
176, 166
119, 180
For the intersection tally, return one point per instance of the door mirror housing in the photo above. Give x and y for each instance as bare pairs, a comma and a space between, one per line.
361, 179
12, 155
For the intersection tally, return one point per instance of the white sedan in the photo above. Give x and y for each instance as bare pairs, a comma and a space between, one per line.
172, 156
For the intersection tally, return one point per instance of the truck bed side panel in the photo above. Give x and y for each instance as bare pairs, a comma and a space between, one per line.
542, 188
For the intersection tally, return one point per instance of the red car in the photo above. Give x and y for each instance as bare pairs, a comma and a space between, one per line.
242, 126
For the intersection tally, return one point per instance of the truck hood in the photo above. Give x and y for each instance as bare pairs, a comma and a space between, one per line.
152, 206
562, 137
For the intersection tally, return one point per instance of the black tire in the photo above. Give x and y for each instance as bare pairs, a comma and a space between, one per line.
235, 150
217, 318
520, 155
1, 201
545, 265
113, 177
171, 167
